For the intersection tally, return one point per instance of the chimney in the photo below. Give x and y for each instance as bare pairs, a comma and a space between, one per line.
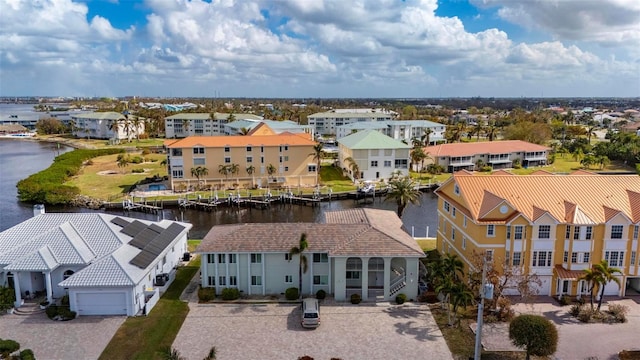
38, 209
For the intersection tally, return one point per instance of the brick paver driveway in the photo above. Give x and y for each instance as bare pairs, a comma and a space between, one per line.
273, 331
83, 338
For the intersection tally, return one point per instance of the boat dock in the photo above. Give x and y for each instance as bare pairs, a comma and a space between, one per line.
131, 205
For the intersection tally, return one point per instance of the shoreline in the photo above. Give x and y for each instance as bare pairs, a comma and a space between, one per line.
58, 140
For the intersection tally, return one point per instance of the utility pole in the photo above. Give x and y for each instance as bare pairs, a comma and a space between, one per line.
486, 292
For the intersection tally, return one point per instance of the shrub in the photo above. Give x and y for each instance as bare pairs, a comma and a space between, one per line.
137, 171
401, 298
145, 152
321, 294
27, 354
564, 300
8, 346
7, 298
65, 301
356, 299
291, 293
306, 357
230, 294
136, 160
619, 312
65, 313
586, 314
52, 311
575, 310
206, 294
535, 334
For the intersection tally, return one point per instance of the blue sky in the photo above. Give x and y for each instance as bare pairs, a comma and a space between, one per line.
320, 48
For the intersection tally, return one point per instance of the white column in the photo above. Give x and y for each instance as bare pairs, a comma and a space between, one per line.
248, 273
226, 265
310, 274
387, 277
47, 277
264, 278
215, 260
16, 282
365, 278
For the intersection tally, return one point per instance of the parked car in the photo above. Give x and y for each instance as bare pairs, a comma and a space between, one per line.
310, 313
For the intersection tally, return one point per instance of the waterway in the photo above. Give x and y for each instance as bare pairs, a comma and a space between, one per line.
21, 158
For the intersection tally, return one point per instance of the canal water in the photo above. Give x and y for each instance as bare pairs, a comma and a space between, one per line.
20, 158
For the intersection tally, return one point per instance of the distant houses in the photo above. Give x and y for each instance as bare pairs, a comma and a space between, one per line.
404, 130
107, 125
201, 124
371, 155
326, 123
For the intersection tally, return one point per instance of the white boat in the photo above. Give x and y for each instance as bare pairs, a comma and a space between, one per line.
19, 135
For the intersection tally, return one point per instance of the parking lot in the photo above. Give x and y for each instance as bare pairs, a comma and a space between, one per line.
273, 331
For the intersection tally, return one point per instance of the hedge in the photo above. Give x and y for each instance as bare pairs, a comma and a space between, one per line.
46, 186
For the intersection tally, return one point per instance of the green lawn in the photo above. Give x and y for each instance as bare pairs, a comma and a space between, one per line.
145, 337
332, 177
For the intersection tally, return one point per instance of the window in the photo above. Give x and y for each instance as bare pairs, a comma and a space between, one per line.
311, 167
211, 280
176, 152
286, 168
227, 149
636, 229
288, 279
544, 231
576, 233
517, 255
446, 206
541, 258
198, 150
585, 257
614, 258
453, 212
222, 281
256, 258
256, 280
177, 174
508, 232
387, 163
567, 232
517, 232
281, 159
320, 258
67, 274
249, 148
227, 160
464, 221
453, 234
286, 148
565, 257
287, 257
374, 163
491, 230
616, 231
588, 233
574, 257
211, 258
286, 158
233, 280
633, 258
320, 280
262, 149
456, 189
249, 159
232, 259
221, 258
464, 243
489, 255
353, 275
401, 163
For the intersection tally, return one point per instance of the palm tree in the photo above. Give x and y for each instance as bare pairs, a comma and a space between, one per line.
250, 170
114, 125
123, 162
403, 191
607, 274
478, 129
592, 277
170, 353
353, 165
185, 126
317, 155
417, 156
426, 137
223, 170
302, 263
244, 131
491, 131
452, 266
137, 122
128, 127
198, 172
271, 170
460, 295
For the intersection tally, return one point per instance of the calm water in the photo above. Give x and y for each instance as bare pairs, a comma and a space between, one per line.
20, 158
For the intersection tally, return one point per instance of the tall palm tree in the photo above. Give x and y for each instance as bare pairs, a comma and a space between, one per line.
137, 122
426, 137
403, 191
417, 156
114, 125
302, 263
607, 274
460, 295
223, 170
128, 127
250, 170
317, 156
271, 170
592, 277
452, 266
491, 131
353, 165
198, 172
478, 129
123, 162
234, 169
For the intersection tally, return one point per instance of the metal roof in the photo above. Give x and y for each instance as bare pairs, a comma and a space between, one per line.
371, 139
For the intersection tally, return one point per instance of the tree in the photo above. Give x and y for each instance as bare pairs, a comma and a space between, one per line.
244, 131
492, 131
123, 162
460, 295
250, 170
137, 122
417, 156
170, 353
234, 169
212, 354
607, 274
592, 277
537, 133
199, 171
535, 334
271, 170
403, 191
302, 262
49, 125
353, 166
223, 170
317, 156
426, 136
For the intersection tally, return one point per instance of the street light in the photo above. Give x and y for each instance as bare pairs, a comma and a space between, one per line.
486, 292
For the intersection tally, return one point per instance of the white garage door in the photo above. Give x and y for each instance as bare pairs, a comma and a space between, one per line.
545, 288
101, 303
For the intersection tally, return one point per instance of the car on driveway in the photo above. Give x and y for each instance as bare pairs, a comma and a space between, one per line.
310, 313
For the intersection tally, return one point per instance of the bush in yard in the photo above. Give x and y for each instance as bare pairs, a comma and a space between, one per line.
136, 160
230, 294
27, 354
7, 347
7, 298
321, 294
619, 312
575, 310
586, 314
401, 298
356, 298
206, 294
137, 171
535, 334
291, 293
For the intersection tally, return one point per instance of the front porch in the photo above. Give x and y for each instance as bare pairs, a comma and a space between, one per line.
377, 278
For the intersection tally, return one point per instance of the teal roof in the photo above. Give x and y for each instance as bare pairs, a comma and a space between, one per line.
276, 125
371, 139
239, 124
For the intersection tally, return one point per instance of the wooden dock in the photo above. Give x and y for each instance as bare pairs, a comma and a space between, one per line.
131, 205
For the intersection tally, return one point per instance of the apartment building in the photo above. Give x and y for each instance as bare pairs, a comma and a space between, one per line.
327, 122
497, 154
101, 125
242, 161
200, 124
552, 225
403, 130
370, 155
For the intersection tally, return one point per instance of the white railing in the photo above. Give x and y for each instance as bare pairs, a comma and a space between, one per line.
397, 283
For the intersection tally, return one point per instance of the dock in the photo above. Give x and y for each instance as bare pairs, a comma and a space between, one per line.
132, 205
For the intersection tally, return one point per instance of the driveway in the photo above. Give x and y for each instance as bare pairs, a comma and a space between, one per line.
81, 338
273, 331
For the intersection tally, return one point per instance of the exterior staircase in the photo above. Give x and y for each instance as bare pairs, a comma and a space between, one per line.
399, 282
28, 308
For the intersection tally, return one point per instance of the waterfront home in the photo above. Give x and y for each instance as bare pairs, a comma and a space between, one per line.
404, 130
107, 265
107, 125
356, 251
554, 226
497, 154
326, 123
257, 160
371, 155
200, 124
242, 127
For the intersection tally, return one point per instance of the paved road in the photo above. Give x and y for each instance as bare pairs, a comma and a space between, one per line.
273, 331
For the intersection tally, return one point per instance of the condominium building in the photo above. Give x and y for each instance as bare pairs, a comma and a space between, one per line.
554, 226
370, 155
242, 161
497, 154
200, 124
403, 130
241, 127
327, 122
102, 125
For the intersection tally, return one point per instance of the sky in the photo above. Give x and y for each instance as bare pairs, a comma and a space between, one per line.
320, 48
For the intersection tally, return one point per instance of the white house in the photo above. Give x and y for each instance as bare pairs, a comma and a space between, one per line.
403, 130
100, 125
327, 122
364, 251
377, 156
108, 265
200, 124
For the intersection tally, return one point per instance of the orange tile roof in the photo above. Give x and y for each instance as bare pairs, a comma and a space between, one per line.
585, 198
541, 172
565, 274
262, 129
582, 172
501, 172
490, 147
242, 140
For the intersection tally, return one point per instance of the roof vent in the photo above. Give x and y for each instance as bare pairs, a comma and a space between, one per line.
38, 209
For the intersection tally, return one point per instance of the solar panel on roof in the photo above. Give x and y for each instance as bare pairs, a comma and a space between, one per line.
143, 238
153, 240
133, 228
143, 259
156, 228
120, 221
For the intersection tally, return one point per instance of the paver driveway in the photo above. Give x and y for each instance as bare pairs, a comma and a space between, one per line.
273, 331
83, 338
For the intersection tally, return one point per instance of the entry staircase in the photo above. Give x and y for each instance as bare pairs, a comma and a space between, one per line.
398, 282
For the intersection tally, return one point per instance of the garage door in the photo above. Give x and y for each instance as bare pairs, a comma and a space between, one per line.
101, 303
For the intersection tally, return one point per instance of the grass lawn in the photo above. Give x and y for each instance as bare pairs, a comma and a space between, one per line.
145, 337
104, 179
332, 177
427, 244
